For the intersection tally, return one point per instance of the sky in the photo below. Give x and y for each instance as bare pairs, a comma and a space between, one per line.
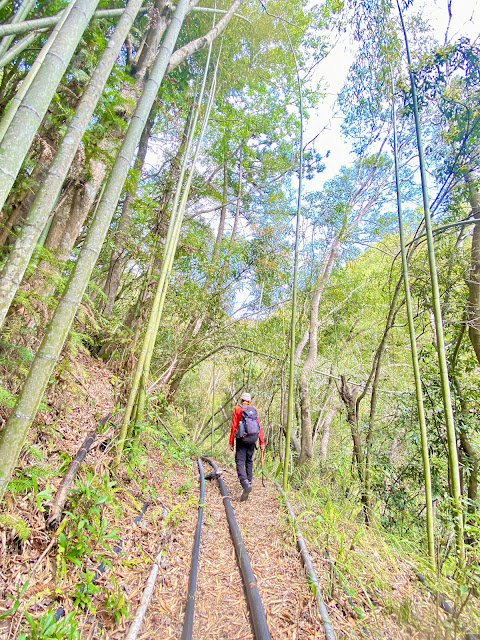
333, 70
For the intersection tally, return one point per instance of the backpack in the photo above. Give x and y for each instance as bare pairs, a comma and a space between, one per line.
249, 425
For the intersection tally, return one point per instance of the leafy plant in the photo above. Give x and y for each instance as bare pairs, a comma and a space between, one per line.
47, 627
19, 526
16, 601
115, 602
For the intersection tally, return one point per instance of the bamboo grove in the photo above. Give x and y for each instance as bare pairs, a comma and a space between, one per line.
161, 208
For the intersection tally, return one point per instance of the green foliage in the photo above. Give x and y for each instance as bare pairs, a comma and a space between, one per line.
26, 480
19, 526
115, 602
16, 600
46, 627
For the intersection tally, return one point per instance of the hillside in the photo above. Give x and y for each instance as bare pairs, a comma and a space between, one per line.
239, 236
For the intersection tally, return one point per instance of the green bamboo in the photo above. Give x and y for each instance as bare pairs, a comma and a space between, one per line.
51, 21
179, 221
416, 368
19, 47
47, 195
437, 312
15, 430
134, 399
144, 359
26, 121
22, 12
16, 101
291, 367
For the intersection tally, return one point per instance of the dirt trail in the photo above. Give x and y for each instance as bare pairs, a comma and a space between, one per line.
221, 612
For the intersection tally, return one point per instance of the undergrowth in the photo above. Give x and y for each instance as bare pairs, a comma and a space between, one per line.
372, 572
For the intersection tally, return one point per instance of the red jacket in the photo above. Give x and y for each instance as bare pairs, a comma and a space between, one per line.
236, 417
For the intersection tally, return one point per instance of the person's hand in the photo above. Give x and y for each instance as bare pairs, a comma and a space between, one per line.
232, 447
262, 447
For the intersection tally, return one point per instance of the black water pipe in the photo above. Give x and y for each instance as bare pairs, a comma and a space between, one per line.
187, 631
258, 618
302, 547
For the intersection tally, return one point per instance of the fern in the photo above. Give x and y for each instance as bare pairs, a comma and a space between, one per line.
19, 526
24, 481
6, 398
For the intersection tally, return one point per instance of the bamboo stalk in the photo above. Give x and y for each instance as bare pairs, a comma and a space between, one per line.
56, 509
437, 311
178, 223
170, 255
291, 368
19, 47
22, 12
147, 594
14, 104
51, 21
302, 547
26, 121
127, 425
416, 368
15, 430
47, 195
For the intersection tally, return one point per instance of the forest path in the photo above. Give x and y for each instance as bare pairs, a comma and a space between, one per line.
220, 610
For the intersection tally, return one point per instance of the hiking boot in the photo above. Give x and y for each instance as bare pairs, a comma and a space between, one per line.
247, 488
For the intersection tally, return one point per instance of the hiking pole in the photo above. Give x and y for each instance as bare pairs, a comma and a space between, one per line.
262, 456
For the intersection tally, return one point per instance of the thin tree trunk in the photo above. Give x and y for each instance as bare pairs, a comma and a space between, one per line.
19, 135
44, 203
473, 307
112, 283
237, 207
326, 425
442, 359
223, 214
15, 430
306, 417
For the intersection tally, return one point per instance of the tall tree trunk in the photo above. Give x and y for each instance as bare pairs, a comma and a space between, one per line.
66, 225
112, 283
24, 202
306, 418
15, 430
19, 136
44, 203
473, 307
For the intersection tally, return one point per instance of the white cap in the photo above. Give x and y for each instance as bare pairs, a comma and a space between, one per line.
246, 396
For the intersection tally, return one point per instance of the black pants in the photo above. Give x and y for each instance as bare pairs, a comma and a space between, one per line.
244, 460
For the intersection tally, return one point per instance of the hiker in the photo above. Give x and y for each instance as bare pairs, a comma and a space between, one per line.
246, 430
